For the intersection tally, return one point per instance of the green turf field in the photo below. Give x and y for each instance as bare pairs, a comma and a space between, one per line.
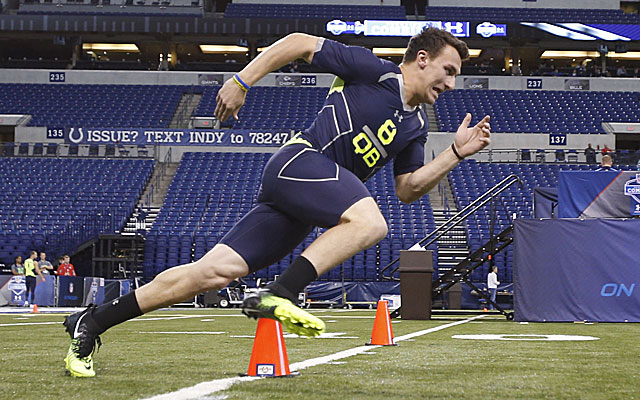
140, 359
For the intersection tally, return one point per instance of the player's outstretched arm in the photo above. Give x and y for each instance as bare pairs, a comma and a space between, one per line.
292, 47
468, 141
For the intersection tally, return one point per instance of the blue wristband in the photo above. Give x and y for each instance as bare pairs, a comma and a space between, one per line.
240, 81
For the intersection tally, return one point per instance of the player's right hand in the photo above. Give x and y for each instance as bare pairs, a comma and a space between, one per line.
229, 100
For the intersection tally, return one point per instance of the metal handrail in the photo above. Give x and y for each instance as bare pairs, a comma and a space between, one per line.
457, 219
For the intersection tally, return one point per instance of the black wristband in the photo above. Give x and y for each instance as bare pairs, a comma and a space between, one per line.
453, 147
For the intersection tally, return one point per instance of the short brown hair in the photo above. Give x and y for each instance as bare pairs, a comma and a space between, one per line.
433, 40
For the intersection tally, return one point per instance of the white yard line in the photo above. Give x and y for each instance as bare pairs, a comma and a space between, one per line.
207, 388
32, 323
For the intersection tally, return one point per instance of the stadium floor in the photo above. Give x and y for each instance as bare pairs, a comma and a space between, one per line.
168, 350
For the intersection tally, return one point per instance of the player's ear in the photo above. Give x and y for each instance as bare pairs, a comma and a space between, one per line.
422, 58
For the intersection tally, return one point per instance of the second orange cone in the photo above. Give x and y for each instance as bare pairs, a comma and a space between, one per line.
382, 332
269, 354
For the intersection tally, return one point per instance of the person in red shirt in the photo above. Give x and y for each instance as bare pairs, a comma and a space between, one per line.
66, 268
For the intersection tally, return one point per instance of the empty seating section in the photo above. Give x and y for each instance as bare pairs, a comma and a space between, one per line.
318, 11
470, 179
212, 191
585, 16
140, 106
270, 107
546, 111
45, 204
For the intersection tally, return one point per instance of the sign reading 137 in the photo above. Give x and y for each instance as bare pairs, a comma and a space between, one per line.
371, 145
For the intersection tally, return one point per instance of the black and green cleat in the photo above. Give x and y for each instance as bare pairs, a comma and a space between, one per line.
295, 320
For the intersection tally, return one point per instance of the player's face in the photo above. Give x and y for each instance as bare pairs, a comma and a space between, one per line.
439, 73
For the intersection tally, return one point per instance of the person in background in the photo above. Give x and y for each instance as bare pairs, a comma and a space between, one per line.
66, 268
606, 164
17, 268
590, 154
45, 266
30, 270
492, 284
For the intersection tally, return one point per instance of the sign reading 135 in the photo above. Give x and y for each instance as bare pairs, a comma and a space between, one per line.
371, 145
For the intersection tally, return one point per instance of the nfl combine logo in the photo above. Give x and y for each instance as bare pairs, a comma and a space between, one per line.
265, 369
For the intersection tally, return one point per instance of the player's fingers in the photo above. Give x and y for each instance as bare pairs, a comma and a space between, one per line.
235, 113
466, 121
223, 113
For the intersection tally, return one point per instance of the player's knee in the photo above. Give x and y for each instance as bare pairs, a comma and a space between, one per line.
378, 229
215, 276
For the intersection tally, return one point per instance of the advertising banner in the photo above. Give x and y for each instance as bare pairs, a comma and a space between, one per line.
45, 291
598, 194
177, 137
577, 270
70, 291
18, 290
576, 84
93, 291
476, 83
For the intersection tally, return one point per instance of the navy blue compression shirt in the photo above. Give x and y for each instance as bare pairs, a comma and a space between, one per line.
365, 122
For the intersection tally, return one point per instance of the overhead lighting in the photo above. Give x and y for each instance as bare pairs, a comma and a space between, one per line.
222, 48
474, 52
130, 47
631, 55
389, 51
399, 51
569, 54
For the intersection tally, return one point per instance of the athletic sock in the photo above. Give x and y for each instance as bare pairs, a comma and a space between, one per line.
117, 311
294, 279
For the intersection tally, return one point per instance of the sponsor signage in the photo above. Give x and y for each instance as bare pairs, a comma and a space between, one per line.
296, 80
476, 83
487, 29
632, 189
576, 84
18, 288
578, 31
210, 79
288, 80
395, 28
176, 137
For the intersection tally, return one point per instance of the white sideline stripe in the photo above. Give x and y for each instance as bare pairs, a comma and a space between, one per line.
202, 389
186, 333
31, 323
206, 388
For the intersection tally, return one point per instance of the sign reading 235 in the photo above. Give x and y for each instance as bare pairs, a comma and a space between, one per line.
371, 145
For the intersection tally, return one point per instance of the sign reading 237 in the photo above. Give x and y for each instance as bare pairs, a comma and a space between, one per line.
371, 145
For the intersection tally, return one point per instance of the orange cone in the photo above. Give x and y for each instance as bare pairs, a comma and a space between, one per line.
382, 332
35, 309
269, 354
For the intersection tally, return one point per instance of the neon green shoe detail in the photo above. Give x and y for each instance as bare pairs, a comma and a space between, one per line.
78, 367
294, 319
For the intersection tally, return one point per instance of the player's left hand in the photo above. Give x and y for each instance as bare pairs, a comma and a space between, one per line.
229, 100
469, 141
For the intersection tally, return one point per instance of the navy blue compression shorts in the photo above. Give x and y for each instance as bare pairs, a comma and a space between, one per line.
301, 189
